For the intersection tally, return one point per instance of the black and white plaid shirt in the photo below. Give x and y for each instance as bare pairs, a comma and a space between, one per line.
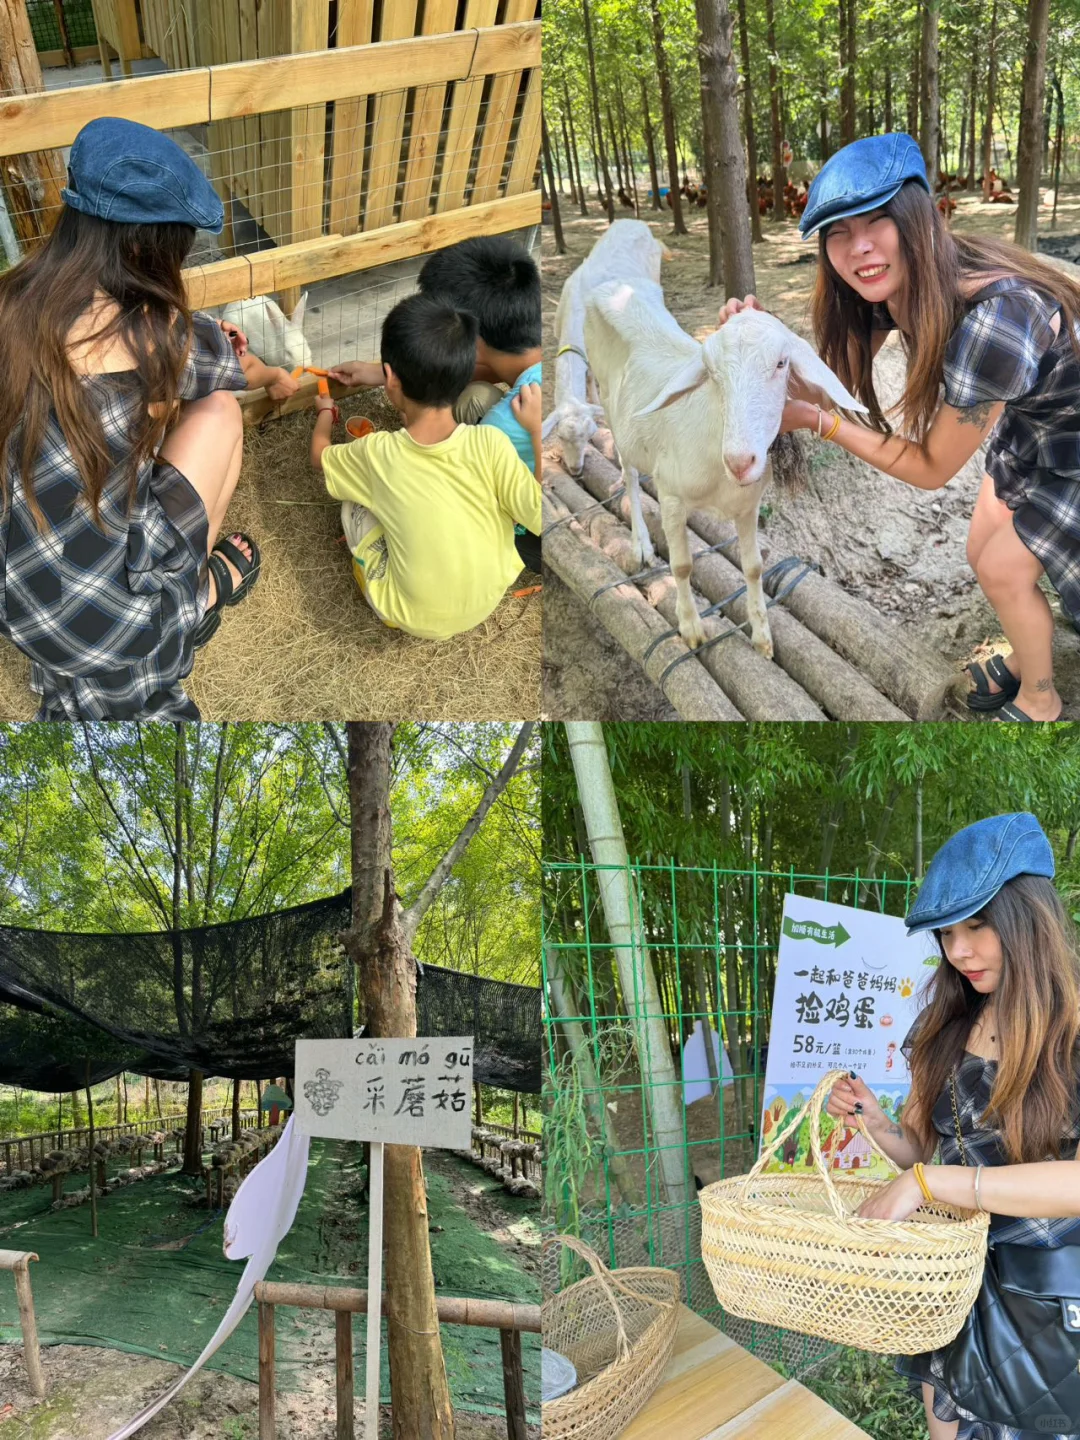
106, 613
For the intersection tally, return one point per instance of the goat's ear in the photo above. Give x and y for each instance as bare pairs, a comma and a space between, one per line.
812, 370
549, 424
692, 374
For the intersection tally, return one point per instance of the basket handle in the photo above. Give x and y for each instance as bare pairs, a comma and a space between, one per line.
608, 1283
815, 1105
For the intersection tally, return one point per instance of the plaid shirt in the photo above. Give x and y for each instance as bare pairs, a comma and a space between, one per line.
106, 613
982, 1146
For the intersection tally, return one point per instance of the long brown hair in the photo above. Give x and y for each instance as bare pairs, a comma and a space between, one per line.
41, 298
1034, 1099
941, 259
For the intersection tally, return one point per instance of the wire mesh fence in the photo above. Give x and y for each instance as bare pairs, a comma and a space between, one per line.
624, 1155
50, 18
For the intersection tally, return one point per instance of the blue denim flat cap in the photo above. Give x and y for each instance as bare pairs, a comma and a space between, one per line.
125, 172
969, 870
860, 177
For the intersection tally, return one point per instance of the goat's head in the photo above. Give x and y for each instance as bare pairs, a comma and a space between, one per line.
751, 359
574, 424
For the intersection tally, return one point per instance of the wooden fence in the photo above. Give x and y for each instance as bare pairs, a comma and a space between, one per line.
343, 206
47, 1140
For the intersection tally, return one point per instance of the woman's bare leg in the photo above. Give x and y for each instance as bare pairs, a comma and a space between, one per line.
1009, 574
939, 1429
988, 516
207, 446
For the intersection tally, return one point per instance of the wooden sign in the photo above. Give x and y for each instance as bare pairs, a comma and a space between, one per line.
401, 1092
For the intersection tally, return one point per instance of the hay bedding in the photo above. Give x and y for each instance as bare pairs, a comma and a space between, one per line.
304, 645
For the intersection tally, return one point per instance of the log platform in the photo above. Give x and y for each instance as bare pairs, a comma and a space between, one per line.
835, 656
713, 1389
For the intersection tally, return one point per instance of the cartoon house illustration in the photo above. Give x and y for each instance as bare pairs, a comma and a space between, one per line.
857, 1154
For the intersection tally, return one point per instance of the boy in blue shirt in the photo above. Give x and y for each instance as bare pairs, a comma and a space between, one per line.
494, 278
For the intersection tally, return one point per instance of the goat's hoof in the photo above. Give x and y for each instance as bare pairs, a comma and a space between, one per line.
763, 645
693, 632
642, 555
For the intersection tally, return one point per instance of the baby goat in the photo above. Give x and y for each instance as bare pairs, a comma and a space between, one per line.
700, 419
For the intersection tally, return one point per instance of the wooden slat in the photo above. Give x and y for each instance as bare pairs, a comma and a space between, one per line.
514, 45
499, 119
398, 21
269, 176
51, 118
791, 1410
249, 50
464, 108
309, 24
527, 144
265, 272
350, 127
427, 121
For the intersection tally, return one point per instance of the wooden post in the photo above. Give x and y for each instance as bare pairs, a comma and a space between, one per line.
374, 1322
479, 1104
513, 1384
344, 1374
515, 1115
90, 1158
31, 1350
267, 1426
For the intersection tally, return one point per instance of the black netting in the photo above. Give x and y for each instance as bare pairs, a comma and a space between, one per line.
227, 999
78, 18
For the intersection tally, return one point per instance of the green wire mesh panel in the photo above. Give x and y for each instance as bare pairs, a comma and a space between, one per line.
623, 1160
78, 16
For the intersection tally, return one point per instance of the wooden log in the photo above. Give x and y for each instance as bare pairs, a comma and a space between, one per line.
267, 1423
343, 1374
910, 674
628, 617
28, 1325
759, 689
452, 1310
513, 1385
823, 674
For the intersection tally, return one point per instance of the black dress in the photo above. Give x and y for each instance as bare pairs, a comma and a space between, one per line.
974, 1082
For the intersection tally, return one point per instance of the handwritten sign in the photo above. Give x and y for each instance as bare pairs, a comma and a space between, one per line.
401, 1092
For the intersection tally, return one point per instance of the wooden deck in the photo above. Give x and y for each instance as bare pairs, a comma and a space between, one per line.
713, 1389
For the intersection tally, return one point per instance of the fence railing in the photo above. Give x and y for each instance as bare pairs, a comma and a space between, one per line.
46, 1140
711, 936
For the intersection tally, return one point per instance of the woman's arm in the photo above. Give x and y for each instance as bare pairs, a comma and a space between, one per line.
953, 438
899, 1144
1049, 1189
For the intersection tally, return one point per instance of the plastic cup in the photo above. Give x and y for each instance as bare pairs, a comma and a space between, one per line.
358, 426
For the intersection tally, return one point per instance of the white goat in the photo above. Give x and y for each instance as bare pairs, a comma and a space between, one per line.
626, 250
273, 338
700, 419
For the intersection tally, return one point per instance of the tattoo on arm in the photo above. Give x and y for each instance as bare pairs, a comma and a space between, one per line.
897, 1130
976, 414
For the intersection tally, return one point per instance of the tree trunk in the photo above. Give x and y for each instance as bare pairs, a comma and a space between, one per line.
157, 1097
628, 153
608, 847
748, 127
913, 77
991, 100
560, 249
650, 146
779, 174
1029, 150
731, 262
146, 1096
1058, 141
236, 1109
609, 199
574, 151
384, 963
928, 126
93, 1158
969, 179
569, 159
615, 148
919, 828
193, 1149
76, 1123
667, 111
850, 75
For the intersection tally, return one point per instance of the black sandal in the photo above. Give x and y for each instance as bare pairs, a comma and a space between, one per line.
1013, 712
982, 697
227, 592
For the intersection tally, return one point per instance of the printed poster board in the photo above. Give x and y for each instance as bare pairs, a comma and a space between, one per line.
847, 992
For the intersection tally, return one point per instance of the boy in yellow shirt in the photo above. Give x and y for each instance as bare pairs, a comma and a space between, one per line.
429, 511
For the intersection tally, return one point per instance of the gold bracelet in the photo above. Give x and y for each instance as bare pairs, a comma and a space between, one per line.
920, 1176
835, 427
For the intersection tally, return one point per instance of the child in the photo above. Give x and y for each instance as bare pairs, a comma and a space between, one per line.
494, 278
119, 446
429, 511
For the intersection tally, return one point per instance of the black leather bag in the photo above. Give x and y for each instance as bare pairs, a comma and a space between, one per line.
1016, 1360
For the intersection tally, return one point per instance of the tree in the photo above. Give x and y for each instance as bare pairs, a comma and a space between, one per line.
731, 264
929, 131
380, 946
667, 113
1030, 149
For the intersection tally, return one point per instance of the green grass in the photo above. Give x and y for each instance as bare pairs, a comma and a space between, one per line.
868, 1391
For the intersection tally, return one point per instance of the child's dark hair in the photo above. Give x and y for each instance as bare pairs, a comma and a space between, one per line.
431, 348
494, 278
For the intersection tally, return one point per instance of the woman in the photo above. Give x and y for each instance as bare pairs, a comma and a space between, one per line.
113, 491
995, 1082
1001, 330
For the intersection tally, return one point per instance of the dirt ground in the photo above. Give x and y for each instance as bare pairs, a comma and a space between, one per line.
304, 644
897, 547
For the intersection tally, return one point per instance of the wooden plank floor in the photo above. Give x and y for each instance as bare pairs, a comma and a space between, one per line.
713, 1389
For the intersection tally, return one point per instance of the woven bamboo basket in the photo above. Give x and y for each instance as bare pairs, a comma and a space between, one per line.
618, 1328
788, 1250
